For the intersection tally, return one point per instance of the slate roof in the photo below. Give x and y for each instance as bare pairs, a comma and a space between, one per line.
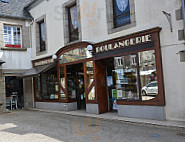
15, 9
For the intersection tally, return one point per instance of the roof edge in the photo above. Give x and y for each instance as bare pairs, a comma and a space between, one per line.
16, 17
33, 4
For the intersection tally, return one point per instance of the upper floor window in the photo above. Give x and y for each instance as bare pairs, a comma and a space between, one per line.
120, 15
73, 23
121, 9
12, 36
42, 36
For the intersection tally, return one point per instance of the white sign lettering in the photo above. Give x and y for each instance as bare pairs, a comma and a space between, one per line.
124, 43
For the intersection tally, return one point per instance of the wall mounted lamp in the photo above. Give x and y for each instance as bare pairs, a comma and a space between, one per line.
90, 49
1, 62
169, 18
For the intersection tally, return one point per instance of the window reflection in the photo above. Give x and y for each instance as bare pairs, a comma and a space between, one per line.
148, 77
62, 77
75, 55
73, 23
132, 77
62, 83
42, 36
90, 77
126, 77
47, 85
91, 95
121, 10
75, 82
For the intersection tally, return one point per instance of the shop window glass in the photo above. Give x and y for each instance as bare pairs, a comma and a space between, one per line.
62, 83
91, 95
132, 77
75, 81
121, 10
126, 78
75, 55
90, 74
47, 85
62, 77
148, 77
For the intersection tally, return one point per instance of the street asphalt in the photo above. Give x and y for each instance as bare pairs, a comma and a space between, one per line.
36, 126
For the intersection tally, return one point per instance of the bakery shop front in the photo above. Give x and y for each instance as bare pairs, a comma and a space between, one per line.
122, 75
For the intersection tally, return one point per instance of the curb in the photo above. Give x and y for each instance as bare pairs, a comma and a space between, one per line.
156, 124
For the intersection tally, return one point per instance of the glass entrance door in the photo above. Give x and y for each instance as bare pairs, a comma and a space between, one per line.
111, 85
75, 82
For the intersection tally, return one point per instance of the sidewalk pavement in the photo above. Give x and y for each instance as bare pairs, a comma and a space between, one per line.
112, 116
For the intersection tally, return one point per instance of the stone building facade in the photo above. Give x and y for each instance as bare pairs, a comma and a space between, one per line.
156, 26
15, 49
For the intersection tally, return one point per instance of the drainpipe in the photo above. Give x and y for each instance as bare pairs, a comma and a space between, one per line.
183, 14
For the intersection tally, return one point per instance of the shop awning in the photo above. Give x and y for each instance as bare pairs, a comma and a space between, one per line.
1, 62
37, 70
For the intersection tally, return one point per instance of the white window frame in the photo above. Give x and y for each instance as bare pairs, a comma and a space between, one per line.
133, 59
119, 61
12, 36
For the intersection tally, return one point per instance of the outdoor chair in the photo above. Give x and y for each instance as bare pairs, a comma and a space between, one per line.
14, 100
8, 102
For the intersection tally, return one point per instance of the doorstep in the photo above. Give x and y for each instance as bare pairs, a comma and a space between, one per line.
174, 125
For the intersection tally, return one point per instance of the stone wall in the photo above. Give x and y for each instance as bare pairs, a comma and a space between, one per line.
28, 93
2, 92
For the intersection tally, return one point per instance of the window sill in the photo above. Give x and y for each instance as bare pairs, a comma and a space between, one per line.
153, 102
40, 53
73, 42
112, 29
13, 49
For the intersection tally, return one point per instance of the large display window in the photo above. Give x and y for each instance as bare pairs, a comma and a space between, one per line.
133, 69
46, 85
133, 77
126, 76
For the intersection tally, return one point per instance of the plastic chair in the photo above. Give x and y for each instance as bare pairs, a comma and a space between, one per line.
14, 100
8, 102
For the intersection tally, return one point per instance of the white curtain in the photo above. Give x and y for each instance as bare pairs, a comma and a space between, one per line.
74, 16
122, 4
